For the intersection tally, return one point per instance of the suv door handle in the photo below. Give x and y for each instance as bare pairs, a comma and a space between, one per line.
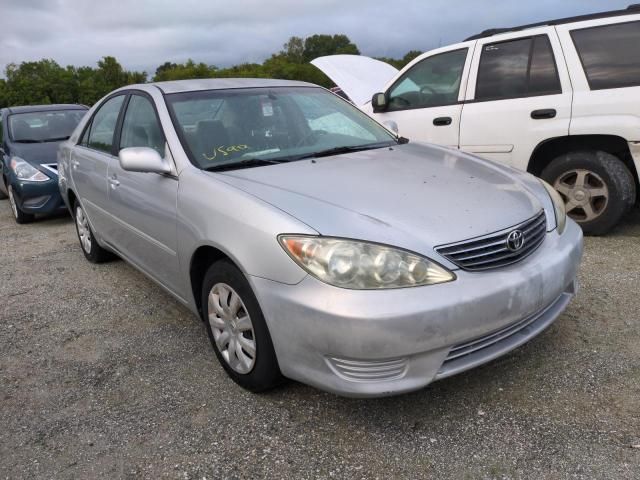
114, 182
544, 113
75, 164
442, 121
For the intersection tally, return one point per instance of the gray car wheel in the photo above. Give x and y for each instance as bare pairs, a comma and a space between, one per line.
237, 328
92, 251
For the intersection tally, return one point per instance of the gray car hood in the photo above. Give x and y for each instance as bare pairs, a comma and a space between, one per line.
414, 196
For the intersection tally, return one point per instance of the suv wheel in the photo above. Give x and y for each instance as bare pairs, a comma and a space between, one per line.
92, 251
237, 329
597, 187
18, 214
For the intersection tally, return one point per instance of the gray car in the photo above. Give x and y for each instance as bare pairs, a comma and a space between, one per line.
315, 244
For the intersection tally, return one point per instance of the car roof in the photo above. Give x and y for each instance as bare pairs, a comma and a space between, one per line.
178, 86
45, 108
630, 10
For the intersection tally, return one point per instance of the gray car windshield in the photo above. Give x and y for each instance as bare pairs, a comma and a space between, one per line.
49, 126
226, 129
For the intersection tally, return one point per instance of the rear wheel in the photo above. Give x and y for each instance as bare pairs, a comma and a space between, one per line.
18, 214
237, 329
92, 251
597, 187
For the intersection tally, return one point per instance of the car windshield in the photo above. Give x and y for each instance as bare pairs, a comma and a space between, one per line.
226, 129
49, 126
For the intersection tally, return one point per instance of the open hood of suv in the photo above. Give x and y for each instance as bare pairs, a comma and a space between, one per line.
358, 76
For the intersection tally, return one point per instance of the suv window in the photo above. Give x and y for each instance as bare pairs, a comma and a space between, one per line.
141, 127
610, 54
103, 124
517, 68
435, 81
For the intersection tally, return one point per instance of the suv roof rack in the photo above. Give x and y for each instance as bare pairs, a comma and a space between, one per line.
631, 9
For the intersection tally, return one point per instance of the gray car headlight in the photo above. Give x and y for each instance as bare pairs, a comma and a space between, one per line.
25, 171
558, 206
362, 265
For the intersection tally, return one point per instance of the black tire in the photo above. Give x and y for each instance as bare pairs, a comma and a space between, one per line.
18, 214
92, 251
3, 187
602, 168
265, 372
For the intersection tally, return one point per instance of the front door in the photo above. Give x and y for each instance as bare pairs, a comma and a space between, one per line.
425, 102
143, 205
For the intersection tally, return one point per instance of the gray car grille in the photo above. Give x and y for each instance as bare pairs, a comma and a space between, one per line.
369, 370
495, 250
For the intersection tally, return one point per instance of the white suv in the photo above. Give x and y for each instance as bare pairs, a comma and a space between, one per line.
559, 99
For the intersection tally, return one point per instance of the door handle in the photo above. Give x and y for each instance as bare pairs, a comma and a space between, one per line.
442, 121
543, 114
114, 182
75, 164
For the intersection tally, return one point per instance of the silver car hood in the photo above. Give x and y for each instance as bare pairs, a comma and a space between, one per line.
414, 196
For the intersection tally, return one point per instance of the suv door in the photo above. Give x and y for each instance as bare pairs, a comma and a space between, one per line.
426, 100
89, 162
519, 95
144, 204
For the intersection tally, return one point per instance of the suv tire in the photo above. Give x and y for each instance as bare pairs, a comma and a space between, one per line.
237, 329
597, 187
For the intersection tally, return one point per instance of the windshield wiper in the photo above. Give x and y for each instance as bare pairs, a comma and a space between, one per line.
57, 139
345, 149
247, 163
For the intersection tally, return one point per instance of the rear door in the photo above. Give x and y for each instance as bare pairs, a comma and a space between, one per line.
143, 205
519, 95
425, 101
89, 162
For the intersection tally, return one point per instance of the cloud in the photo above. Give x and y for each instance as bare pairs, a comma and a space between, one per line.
143, 34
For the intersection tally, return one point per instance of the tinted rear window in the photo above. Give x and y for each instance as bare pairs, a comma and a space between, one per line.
523, 67
610, 54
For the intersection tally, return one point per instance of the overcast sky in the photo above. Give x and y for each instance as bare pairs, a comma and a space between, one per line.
142, 34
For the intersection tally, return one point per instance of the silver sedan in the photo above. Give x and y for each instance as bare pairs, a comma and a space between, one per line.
314, 243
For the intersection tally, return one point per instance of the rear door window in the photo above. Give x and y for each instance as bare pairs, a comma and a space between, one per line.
524, 67
103, 125
610, 54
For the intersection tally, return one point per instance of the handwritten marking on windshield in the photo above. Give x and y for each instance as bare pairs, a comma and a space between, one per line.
226, 151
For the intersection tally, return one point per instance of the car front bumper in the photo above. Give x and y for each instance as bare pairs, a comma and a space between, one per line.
385, 342
38, 197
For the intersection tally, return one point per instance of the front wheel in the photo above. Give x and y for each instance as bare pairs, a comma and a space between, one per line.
18, 214
237, 329
597, 187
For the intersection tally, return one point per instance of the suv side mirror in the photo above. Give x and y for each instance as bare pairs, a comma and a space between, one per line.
142, 159
379, 102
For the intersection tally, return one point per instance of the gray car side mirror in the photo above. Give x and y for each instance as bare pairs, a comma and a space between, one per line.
142, 159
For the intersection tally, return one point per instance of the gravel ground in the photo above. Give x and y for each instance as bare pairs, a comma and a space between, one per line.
104, 375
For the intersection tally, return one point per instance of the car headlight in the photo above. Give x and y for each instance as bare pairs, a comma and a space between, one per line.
558, 206
362, 265
26, 171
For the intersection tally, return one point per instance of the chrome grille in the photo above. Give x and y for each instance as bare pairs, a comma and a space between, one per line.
493, 250
368, 370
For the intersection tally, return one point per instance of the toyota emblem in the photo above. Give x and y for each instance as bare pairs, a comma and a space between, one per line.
515, 240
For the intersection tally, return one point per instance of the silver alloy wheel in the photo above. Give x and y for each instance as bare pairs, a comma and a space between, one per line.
232, 328
83, 230
585, 194
12, 202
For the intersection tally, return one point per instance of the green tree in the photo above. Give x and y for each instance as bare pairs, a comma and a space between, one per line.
321, 45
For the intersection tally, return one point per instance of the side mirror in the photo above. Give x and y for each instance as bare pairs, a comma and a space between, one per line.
379, 102
142, 159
